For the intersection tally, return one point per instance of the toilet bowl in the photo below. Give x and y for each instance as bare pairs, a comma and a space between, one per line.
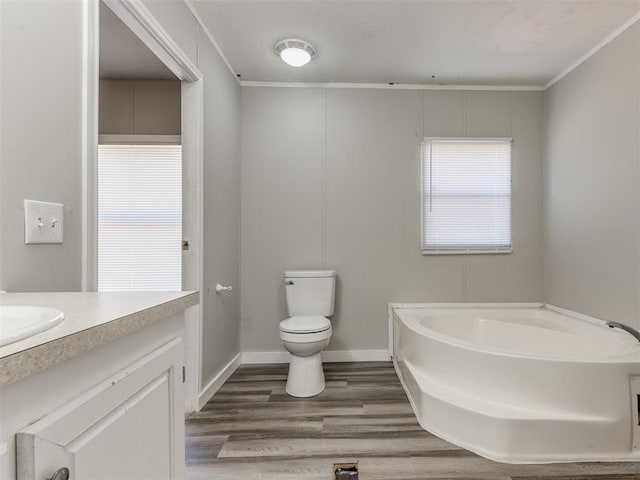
310, 300
305, 338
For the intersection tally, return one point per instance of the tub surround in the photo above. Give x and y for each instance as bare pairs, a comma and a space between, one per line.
91, 320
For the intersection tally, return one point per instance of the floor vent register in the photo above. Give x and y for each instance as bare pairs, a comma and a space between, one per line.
345, 471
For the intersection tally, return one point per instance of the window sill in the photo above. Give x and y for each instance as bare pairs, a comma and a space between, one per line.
467, 252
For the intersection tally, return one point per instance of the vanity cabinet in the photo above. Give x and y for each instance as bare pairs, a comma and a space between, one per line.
115, 411
124, 427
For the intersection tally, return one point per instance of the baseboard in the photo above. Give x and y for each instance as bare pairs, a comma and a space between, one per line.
327, 356
218, 380
356, 356
265, 357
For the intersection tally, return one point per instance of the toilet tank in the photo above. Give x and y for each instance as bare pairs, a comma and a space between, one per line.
310, 292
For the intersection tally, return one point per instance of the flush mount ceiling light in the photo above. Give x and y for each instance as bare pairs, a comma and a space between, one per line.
295, 52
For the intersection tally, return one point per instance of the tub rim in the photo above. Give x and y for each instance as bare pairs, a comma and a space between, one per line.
633, 357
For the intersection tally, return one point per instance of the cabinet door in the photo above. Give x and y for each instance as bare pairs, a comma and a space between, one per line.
127, 427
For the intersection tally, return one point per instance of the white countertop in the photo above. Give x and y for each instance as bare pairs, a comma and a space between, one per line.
91, 319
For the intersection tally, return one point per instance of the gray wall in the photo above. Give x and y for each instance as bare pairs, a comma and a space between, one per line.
140, 107
41, 92
331, 178
592, 127
221, 329
41, 65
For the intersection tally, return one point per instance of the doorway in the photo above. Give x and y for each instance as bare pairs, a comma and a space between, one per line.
156, 59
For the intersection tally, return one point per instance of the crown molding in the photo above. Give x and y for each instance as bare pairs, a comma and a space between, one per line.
209, 35
396, 86
603, 43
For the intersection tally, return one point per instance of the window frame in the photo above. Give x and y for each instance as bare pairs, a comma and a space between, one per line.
468, 249
138, 140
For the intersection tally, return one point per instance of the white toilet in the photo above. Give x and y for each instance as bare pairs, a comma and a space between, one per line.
310, 298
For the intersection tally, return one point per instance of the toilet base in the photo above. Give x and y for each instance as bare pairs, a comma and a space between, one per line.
306, 377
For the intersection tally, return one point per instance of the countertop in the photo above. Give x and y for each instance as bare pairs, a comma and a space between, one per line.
91, 319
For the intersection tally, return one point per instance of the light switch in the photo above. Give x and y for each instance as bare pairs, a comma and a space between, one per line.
43, 222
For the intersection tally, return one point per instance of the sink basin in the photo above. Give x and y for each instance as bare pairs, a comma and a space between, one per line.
19, 322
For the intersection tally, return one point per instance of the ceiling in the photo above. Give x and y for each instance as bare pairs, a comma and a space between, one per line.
122, 53
459, 42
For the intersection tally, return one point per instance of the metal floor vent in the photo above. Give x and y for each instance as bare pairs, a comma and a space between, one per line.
345, 471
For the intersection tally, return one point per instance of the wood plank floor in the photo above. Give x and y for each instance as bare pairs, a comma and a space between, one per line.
252, 430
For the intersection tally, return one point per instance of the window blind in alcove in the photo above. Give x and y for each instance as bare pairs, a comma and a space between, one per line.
139, 217
466, 195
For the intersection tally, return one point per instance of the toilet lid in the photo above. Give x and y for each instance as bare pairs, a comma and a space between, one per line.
305, 324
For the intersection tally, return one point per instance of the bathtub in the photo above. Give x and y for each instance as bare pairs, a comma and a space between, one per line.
520, 385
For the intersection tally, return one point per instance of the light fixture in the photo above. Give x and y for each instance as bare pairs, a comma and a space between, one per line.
295, 52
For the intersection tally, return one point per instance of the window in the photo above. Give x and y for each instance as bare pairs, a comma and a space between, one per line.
139, 217
466, 195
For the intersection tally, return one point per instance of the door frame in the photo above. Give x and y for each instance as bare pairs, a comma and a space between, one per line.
144, 25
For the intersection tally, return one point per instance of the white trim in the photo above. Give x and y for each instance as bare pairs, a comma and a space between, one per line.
265, 357
89, 147
140, 139
135, 15
215, 384
466, 251
397, 86
594, 50
192, 95
327, 356
143, 24
390, 334
209, 35
508, 140
356, 356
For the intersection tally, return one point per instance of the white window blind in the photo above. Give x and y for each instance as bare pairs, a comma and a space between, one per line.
466, 195
139, 217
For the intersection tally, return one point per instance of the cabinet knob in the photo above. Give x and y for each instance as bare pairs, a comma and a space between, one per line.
60, 474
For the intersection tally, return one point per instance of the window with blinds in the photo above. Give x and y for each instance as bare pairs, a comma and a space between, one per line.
139, 217
466, 195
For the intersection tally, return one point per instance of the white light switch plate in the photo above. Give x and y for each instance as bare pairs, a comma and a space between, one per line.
43, 222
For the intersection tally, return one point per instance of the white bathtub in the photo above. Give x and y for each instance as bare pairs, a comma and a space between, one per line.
520, 385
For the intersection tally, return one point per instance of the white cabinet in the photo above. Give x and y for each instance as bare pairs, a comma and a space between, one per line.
123, 428
114, 412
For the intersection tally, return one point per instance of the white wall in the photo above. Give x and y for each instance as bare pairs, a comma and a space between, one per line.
40, 114
592, 157
331, 178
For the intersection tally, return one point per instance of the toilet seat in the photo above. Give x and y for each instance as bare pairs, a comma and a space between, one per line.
305, 324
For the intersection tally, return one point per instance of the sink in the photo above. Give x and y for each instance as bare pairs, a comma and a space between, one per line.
18, 322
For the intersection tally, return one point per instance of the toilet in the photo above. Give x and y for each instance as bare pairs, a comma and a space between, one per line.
310, 298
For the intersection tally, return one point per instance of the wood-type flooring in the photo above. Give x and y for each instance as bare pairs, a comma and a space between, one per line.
252, 430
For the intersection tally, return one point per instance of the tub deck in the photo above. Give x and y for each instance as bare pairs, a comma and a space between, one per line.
521, 385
